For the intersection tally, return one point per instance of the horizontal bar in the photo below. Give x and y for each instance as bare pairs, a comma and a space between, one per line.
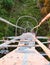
10, 41
6, 45
3, 40
46, 42
11, 37
42, 37
31, 41
18, 46
39, 37
24, 41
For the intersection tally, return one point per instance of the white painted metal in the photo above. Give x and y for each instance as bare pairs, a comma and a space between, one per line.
24, 58
39, 37
42, 37
45, 49
1, 19
25, 55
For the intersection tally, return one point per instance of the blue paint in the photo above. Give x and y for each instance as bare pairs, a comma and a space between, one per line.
49, 63
25, 60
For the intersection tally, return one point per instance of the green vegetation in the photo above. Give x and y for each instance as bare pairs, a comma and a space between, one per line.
11, 10
7, 4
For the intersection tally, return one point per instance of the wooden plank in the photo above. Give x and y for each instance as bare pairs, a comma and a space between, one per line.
28, 57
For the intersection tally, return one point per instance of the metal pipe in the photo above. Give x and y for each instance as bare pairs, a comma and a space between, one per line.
10, 23
46, 50
42, 37
42, 21
39, 37
5, 46
25, 17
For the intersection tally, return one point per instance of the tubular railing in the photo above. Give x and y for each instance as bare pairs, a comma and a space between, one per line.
26, 16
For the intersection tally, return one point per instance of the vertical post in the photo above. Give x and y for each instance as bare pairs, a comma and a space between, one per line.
49, 42
3, 39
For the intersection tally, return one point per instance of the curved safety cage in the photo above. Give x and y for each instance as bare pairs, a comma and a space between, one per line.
26, 22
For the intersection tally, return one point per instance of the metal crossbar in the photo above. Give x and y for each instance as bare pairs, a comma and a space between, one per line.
3, 46
39, 37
